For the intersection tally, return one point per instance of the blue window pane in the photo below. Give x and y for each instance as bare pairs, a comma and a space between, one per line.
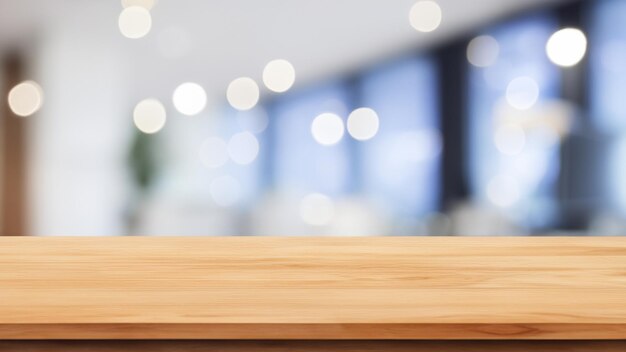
401, 164
513, 144
608, 65
243, 175
302, 165
607, 101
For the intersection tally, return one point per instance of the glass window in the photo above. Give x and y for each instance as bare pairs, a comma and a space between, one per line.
608, 68
401, 164
607, 61
301, 164
243, 132
516, 120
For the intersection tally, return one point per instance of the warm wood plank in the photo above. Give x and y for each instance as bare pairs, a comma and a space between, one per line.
313, 288
312, 346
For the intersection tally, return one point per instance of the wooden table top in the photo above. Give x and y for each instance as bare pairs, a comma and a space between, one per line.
312, 288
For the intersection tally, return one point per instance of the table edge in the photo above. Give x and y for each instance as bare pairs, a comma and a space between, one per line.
128, 331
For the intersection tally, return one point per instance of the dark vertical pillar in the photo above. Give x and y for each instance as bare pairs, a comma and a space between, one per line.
453, 112
12, 139
580, 151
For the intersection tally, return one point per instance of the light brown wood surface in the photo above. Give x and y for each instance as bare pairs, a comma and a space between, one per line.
313, 288
312, 346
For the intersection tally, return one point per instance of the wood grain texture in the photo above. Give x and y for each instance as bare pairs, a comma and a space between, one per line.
313, 288
311, 346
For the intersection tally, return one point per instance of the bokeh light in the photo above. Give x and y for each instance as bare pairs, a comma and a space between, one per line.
503, 191
146, 4
149, 116
243, 148
279, 75
225, 191
135, 22
25, 98
242, 93
522, 93
189, 98
418, 145
327, 128
317, 209
254, 120
483, 51
425, 16
363, 124
566, 47
510, 139
213, 152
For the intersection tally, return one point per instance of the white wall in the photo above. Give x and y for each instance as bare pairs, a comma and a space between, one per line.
79, 140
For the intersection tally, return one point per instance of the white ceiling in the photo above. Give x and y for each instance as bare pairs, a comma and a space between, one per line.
232, 38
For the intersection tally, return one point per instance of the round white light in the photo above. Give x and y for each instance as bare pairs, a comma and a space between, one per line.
242, 93
522, 93
225, 191
510, 139
503, 191
25, 98
327, 128
243, 148
317, 209
135, 22
213, 152
279, 75
418, 145
566, 47
363, 124
425, 16
189, 98
146, 4
149, 116
483, 51
254, 120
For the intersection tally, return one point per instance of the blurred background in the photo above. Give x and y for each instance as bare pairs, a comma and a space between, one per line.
277, 117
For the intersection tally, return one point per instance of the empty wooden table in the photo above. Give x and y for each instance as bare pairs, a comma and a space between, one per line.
312, 294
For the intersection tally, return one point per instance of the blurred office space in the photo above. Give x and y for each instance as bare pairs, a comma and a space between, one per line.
276, 117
